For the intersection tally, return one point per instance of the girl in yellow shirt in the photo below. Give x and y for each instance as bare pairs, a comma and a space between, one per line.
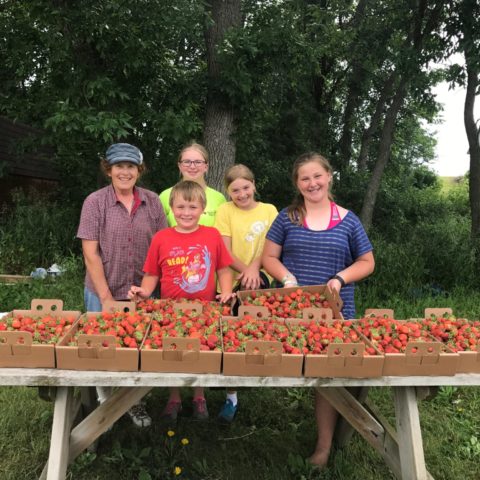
243, 223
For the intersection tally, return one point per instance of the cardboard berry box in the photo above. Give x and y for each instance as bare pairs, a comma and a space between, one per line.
333, 348
459, 334
255, 344
183, 339
98, 340
28, 337
168, 305
408, 347
290, 302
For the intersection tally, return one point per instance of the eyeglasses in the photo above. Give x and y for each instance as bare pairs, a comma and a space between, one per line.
188, 163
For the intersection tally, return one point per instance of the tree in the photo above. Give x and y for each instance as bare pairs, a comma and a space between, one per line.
425, 20
219, 126
470, 44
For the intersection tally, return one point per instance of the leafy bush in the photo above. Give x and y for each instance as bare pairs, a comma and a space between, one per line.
422, 242
36, 232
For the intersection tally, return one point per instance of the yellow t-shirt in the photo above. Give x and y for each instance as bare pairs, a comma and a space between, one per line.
214, 200
246, 228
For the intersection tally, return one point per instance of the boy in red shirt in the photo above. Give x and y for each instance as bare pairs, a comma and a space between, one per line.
185, 259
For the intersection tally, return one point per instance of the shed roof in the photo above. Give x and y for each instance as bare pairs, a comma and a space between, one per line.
37, 162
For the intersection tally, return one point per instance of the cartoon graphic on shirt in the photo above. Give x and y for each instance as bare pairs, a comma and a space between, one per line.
192, 271
256, 229
195, 272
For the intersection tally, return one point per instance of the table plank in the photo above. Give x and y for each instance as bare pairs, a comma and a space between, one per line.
73, 378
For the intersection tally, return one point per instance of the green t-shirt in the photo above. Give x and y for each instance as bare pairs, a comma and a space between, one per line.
214, 200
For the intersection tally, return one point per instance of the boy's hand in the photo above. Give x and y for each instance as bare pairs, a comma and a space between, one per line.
225, 297
136, 291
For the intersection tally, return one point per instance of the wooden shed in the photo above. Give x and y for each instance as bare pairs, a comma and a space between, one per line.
24, 162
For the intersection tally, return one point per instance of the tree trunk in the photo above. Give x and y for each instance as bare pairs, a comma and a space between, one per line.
474, 145
375, 121
219, 128
356, 81
386, 140
474, 151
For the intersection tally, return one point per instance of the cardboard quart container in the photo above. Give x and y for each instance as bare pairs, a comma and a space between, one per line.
181, 354
97, 352
261, 358
17, 348
331, 296
346, 360
380, 312
469, 361
421, 359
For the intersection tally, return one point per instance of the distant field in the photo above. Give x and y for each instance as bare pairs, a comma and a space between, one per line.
451, 182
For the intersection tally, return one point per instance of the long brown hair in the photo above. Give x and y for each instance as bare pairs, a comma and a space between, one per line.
296, 210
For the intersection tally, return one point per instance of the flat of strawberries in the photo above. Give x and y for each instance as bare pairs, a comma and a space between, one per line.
459, 334
167, 305
286, 305
236, 332
314, 338
128, 328
393, 336
185, 323
44, 329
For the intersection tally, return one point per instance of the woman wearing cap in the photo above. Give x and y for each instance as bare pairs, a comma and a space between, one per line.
117, 224
193, 165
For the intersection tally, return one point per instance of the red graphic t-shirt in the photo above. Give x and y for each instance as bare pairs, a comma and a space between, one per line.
186, 262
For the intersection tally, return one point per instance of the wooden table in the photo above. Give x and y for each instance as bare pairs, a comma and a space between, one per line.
401, 448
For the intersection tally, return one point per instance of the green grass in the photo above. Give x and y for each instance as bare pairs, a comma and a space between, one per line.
67, 287
450, 183
273, 434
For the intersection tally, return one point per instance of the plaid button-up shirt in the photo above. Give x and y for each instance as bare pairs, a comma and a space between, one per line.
123, 239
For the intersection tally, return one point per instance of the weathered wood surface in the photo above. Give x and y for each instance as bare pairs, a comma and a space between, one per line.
409, 434
102, 418
73, 378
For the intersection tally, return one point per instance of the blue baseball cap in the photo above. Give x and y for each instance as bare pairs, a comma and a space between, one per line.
124, 152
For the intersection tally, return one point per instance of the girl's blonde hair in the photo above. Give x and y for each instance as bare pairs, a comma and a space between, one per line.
296, 211
196, 146
238, 171
190, 191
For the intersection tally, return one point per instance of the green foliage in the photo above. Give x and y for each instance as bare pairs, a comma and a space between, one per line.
67, 287
37, 232
421, 237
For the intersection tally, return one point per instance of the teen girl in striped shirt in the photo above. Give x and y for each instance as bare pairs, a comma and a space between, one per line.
313, 242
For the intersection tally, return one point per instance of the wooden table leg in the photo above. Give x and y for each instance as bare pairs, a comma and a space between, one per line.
409, 434
65, 410
343, 430
105, 415
365, 424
